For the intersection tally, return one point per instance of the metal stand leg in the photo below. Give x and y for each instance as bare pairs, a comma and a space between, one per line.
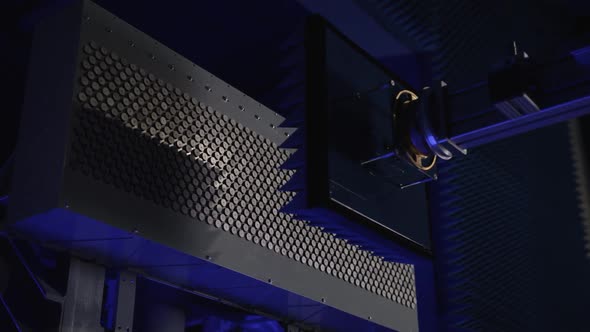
83, 301
119, 308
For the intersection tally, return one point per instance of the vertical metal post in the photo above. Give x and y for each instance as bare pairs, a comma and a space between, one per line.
125, 309
83, 300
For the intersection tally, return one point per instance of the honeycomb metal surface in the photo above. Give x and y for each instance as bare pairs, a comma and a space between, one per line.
144, 136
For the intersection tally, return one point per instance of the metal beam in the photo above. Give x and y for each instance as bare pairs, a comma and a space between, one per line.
543, 118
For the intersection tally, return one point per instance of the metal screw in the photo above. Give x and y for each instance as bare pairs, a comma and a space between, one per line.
208, 257
392, 82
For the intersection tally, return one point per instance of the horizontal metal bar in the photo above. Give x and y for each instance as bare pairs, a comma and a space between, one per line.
404, 186
387, 155
543, 118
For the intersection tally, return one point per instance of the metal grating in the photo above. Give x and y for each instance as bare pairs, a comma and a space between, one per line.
142, 135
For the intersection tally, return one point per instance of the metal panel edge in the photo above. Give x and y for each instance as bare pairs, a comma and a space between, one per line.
192, 79
45, 120
224, 249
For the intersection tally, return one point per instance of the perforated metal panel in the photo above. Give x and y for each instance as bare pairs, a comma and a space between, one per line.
149, 162
143, 135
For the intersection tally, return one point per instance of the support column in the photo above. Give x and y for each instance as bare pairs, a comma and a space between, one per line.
82, 303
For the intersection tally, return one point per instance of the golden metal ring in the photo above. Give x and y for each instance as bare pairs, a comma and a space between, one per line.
413, 154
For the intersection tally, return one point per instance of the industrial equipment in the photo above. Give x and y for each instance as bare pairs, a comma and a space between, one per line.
147, 193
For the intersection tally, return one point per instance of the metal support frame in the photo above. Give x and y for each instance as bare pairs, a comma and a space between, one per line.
545, 117
83, 301
125, 229
559, 88
119, 306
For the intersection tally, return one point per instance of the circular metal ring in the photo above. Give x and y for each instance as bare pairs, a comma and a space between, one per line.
412, 152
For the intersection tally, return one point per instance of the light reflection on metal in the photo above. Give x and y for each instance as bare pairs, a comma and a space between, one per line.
418, 182
525, 123
413, 151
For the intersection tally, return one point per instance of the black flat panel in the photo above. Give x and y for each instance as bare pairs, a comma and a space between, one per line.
350, 121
